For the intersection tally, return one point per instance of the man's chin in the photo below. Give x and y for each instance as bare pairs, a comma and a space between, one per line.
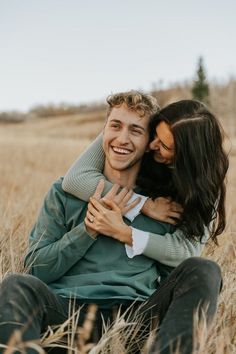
119, 166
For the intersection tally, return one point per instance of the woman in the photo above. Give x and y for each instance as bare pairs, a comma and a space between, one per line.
187, 163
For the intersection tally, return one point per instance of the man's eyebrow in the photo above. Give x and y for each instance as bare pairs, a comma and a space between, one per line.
132, 125
115, 120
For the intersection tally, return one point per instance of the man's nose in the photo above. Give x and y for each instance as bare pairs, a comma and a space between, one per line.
123, 137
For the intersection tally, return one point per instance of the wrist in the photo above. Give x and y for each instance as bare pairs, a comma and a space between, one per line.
91, 233
125, 235
147, 207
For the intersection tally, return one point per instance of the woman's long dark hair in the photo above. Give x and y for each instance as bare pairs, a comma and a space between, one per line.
197, 178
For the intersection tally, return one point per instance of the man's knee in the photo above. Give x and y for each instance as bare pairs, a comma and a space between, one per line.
17, 282
203, 265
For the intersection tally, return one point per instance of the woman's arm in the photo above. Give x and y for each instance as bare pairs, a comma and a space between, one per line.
82, 178
84, 175
168, 248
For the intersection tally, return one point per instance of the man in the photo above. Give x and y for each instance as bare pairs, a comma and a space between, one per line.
67, 260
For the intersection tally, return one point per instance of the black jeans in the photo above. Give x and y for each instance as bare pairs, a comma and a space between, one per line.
29, 305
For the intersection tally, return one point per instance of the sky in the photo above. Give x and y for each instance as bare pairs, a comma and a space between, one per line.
80, 51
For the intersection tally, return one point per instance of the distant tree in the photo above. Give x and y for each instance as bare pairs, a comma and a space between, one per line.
200, 89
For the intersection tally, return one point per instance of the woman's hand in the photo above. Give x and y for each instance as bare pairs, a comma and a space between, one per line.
107, 220
163, 209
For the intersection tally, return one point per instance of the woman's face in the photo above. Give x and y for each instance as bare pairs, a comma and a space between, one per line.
163, 145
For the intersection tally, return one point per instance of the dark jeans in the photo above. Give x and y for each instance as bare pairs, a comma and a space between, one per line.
29, 305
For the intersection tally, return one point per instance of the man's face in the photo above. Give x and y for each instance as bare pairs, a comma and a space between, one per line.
125, 138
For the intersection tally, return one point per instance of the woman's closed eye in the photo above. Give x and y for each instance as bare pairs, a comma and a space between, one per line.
165, 147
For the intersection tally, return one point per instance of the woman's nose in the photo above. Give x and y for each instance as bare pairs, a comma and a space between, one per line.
155, 144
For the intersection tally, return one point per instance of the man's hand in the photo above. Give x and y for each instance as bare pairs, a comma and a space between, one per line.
163, 209
107, 220
121, 196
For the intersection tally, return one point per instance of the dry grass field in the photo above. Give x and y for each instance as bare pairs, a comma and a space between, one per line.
32, 155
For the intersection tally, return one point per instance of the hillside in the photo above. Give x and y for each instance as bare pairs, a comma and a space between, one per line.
37, 151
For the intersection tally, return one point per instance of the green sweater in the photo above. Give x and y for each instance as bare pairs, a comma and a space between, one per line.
72, 263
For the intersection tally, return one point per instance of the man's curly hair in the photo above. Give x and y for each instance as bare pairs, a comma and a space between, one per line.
138, 102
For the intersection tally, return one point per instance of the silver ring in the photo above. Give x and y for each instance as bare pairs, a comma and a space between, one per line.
91, 219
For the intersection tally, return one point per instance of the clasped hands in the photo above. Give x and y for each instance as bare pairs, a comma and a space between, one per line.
105, 215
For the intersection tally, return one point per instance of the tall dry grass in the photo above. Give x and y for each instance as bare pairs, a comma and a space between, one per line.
35, 153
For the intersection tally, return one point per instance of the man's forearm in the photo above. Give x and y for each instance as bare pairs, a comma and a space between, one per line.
51, 260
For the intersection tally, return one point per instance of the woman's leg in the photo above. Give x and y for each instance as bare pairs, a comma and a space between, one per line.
192, 287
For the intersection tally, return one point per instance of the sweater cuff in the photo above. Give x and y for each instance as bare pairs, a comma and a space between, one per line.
132, 213
140, 240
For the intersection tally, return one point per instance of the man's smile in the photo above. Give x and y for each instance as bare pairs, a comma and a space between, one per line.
121, 151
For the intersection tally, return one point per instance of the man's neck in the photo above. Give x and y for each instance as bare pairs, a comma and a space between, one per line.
126, 178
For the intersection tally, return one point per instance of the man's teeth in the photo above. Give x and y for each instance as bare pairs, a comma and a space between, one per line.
120, 150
